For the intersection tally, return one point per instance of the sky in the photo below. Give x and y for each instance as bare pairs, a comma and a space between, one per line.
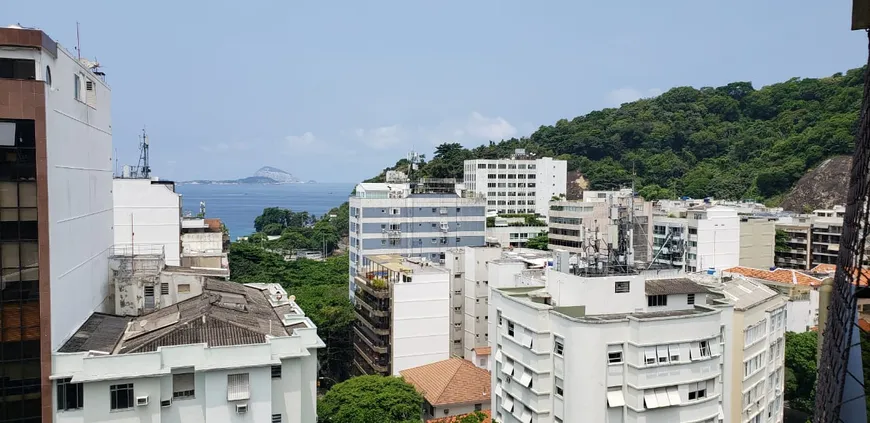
335, 91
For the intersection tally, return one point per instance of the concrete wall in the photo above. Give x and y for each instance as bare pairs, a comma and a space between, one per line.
147, 213
79, 163
202, 242
757, 242
421, 332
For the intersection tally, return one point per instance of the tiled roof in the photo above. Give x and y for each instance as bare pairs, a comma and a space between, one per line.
483, 350
452, 381
786, 276
830, 269
864, 325
673, 286
101, 332
455, 419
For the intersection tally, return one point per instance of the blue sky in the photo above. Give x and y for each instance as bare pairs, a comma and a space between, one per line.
337, 90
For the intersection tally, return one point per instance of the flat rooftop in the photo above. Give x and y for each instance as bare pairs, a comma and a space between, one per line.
399, 264
225, 314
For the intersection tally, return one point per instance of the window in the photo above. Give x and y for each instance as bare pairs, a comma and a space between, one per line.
754, 333
183, 386
621, 287
77, 87
753, 365
690, 299
394, 211
674, 351
614, 357
164, 289
149, 297
70, 396
558, 346
276, 418
499, 317
478, 407
121, 396
276, 372
510, 328
17, 69
697, 390
649, 356
559, 387
705, 348
657, 300
48, 75
238, 387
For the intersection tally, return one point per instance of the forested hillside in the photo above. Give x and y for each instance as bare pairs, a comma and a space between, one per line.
732, 142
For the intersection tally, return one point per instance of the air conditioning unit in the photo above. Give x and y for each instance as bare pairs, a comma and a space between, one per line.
142, 401
166, 402
241, 408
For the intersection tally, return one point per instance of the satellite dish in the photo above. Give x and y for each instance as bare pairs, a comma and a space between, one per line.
292, 298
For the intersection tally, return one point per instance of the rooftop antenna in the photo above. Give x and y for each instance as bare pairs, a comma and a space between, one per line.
144, 167
78, 42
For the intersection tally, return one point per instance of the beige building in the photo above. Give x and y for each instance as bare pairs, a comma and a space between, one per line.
757, 242
796, 253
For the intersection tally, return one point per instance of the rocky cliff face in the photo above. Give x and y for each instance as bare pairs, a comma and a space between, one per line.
821, 188
276, 174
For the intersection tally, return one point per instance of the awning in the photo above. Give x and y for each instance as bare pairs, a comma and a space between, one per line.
721, 413
498, 356
526, 416
508, 368
615, 398
662, 397
673, 396
508, 403
649, 399
498, 389
695, 351
650, 354
526, 378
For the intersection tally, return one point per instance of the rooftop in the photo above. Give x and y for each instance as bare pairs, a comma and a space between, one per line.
830, 269
452, 381
457, 419
482, 350
399, 264
745, 294
673, 286
226, 313
783, 276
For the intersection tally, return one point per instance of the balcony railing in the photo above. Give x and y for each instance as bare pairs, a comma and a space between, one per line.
376, 345
375, 306
379, 365
373, 288
364, 320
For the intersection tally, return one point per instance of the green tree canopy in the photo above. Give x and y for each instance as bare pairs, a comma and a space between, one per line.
800, 370
367, 399
539, 242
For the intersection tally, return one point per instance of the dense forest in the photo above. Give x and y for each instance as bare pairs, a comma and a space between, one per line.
730, 142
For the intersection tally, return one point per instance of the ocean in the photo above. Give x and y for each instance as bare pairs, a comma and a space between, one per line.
238, 205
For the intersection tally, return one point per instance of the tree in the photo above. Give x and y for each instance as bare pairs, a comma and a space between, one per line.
781, 240
800, 370
539, 242
367, 399
475, 417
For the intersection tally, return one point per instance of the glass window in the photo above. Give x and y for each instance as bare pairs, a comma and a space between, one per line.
121, 396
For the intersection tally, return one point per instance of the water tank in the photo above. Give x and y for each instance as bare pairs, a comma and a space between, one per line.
711, 271
125, 171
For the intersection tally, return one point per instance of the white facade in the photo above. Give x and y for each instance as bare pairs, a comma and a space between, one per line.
79, 163
421, 320
607, 349
517, 185
475, 307
275, 380
703, 239
148, 212
512, 236
390, 219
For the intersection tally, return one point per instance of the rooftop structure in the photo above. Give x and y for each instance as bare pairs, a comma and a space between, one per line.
231, 350
402, 314
450, 387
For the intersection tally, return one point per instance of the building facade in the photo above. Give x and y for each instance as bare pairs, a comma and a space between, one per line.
402, 314
521, 184
411, 221
234, 353
55, 210
699, 239
757, 241
610, 348
148, 211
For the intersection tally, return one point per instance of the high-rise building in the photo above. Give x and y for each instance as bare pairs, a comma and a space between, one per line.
518, 185
573, 346
699, 239
148, 212
55, 210
422, 219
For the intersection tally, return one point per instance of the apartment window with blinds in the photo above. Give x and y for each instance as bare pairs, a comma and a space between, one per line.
183, 386
238, 387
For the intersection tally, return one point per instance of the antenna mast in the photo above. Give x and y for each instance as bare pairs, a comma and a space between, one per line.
78, 42
144, 166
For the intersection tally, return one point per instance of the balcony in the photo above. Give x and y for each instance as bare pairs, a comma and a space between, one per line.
374, 306
376, 345
379, 365
374, 326
373, 286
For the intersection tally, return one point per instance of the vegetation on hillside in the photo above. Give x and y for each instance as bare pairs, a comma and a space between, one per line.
731, 142
300, 230
367, 399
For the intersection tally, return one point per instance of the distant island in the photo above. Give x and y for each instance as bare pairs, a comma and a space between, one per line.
266, 175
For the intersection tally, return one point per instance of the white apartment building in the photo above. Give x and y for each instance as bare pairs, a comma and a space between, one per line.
204, 244
615, 348
403, 314
148, 211
698, 239
757, 379
234, 353
521, 184
55, 207
512, 231
417, 220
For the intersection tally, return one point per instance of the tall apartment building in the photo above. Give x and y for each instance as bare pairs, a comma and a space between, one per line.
402, 314
608, 348
422, 220
520, 184
757, 241
55, 210
232, 353
699, 239
797, 253
811, 240
825, 239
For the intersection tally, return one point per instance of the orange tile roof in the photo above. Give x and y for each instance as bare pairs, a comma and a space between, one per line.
483, 350
830, 269
452, 381
454, 419
864, 325
788, 276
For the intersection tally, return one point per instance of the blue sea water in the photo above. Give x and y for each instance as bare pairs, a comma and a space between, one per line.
238, 205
